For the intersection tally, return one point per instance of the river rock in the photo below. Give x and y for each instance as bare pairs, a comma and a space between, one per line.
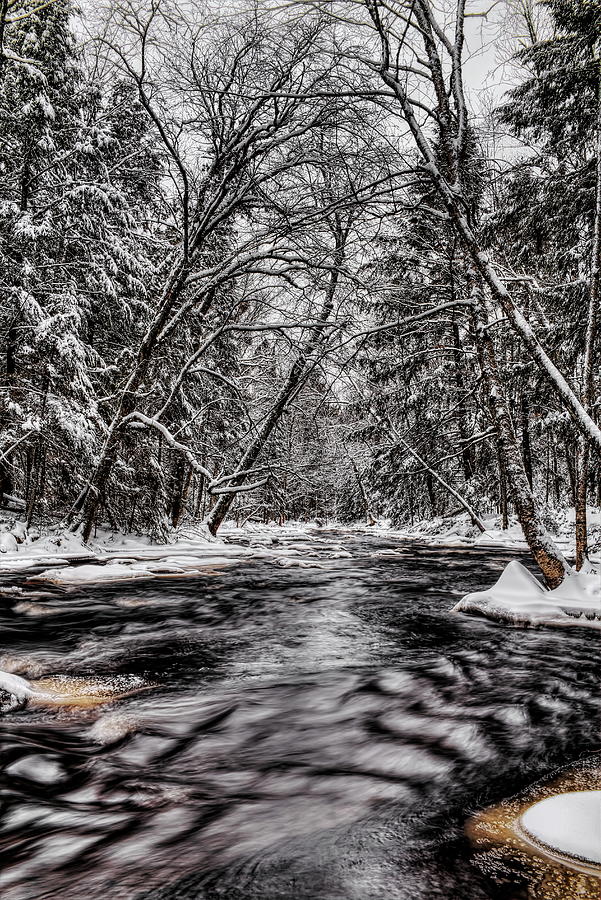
10, 702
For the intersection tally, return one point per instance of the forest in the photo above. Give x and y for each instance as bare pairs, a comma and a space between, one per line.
286, 263
299, 355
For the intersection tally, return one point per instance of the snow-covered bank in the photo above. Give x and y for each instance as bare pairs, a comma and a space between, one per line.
518, 598
63, 559
460, 530
20, 549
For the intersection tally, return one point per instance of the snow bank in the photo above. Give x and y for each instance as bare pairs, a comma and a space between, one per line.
458, 529
568, 823
519, 599
8, 543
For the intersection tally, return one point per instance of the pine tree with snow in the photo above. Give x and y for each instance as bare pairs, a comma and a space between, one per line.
75, 252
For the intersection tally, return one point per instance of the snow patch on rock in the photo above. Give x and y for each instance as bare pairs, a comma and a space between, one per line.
568, 823
15, 685
519, 599
8, 543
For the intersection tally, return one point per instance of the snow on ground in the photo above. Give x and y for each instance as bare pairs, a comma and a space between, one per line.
518, 598
65, 560
459, 529
568, 823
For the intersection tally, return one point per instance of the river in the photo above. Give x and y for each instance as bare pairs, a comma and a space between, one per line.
303, 733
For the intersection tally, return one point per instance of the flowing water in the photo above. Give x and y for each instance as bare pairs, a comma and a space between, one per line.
303, 733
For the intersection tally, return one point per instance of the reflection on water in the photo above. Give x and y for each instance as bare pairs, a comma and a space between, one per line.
307, 733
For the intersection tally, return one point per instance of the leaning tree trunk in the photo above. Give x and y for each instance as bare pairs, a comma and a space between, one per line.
294, 381
547, 555
85, 508
432, 474
582, 467
457, 206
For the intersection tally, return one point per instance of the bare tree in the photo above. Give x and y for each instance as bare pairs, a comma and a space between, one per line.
219, 112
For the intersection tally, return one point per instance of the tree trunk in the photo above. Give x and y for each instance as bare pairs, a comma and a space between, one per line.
526, 447
503, 502
180, 487
6, 478
582, 467
295, 379
369, 516
467, 454
547, 555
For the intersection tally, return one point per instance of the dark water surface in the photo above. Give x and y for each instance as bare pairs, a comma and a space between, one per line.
312, 733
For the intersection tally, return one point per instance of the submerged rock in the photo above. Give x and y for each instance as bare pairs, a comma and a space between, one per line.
547, 835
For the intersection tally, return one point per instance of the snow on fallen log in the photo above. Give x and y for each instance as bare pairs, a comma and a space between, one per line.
519, 599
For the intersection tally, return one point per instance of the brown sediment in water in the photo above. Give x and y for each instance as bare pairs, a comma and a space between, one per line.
84, 693
506, 853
